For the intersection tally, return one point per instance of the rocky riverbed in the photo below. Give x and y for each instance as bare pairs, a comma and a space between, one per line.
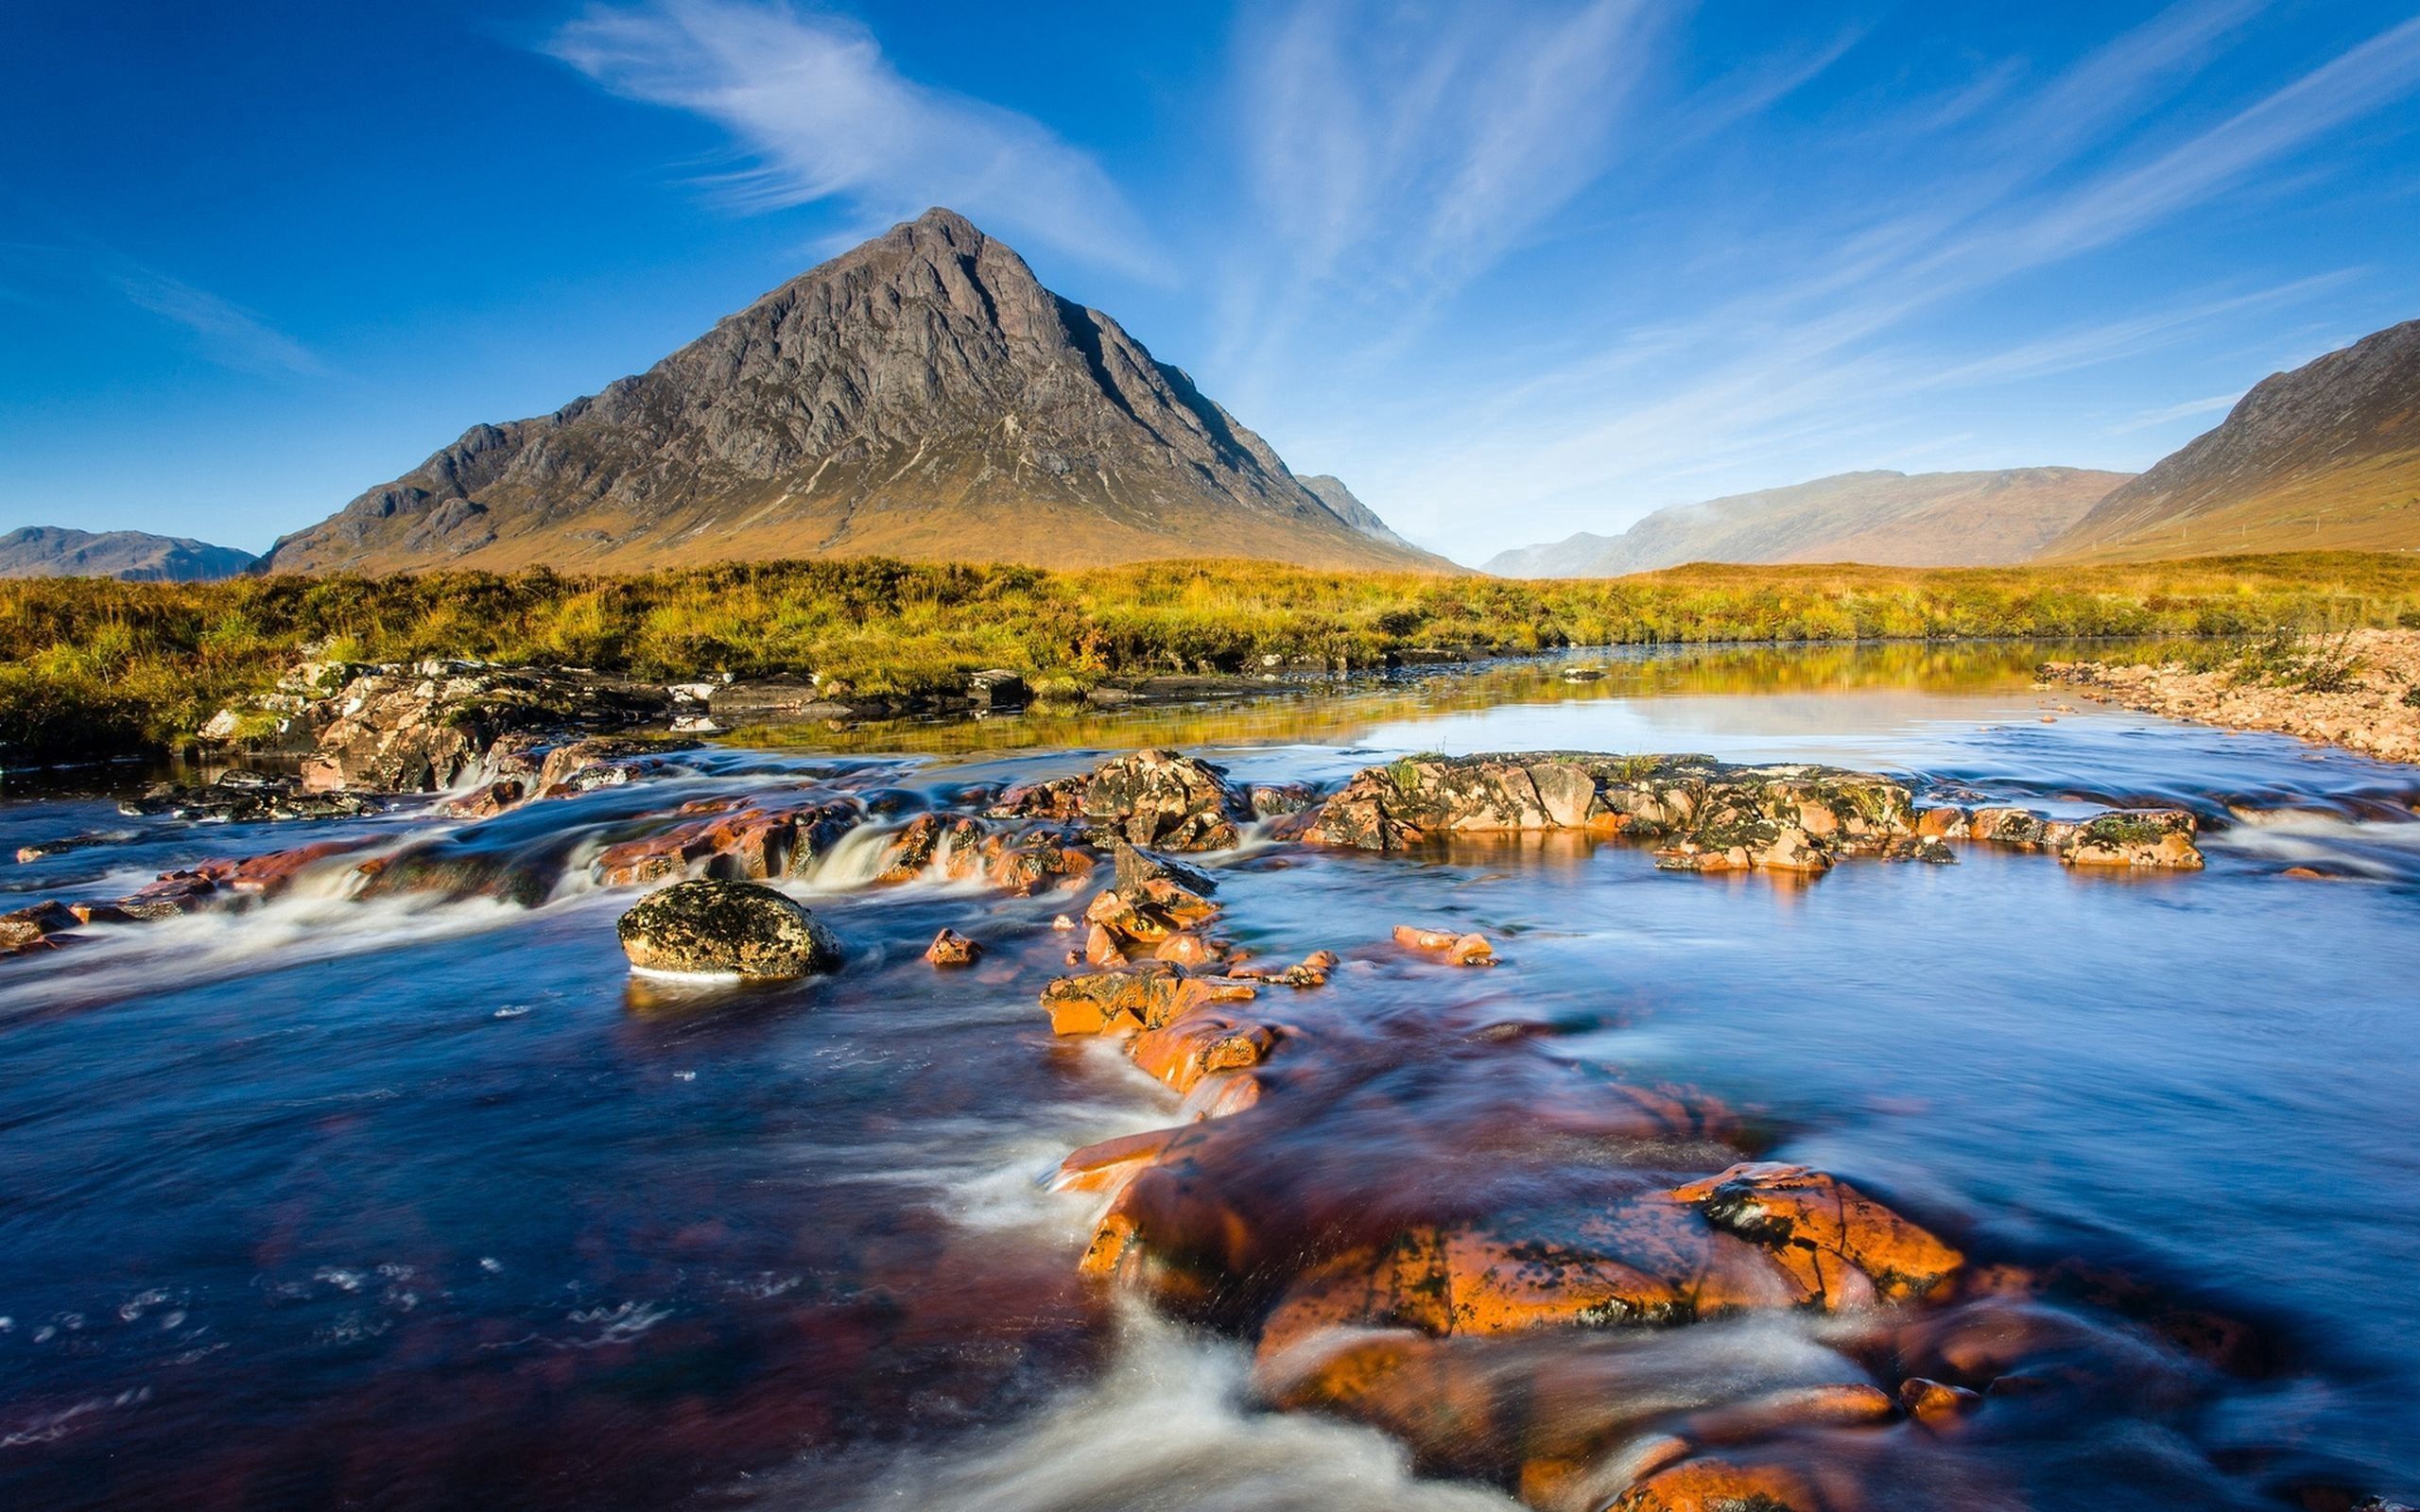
1585, 1130
2361, 690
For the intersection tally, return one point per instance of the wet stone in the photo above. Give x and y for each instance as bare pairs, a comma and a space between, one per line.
726, 928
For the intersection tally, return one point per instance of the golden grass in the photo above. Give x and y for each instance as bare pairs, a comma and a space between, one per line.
95, 667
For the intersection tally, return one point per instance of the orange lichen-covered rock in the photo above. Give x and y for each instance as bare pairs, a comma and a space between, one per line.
1443, 1403
1461, 949
2133, 837
1946, 823
1185, 948
1640, 1262
1143, 996
1934, 1402
1102, 948
1183, 1051
1111, 1163
1025, 865
950, 948
1843, 1247
1159, 798
1721, 1485
934, 842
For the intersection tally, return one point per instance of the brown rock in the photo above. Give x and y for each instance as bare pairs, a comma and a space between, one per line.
1462, 950
2132, 839
950, 948
1721, 1485
488, 800
1165, 800
1934, 1403
27, 929
1197, 1042
1841, 1246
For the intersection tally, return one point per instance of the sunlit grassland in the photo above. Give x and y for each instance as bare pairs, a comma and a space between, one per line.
94, 667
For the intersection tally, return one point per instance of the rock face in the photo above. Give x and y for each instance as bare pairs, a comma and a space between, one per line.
923, 396
1896, 519
1330, 491
726, 928
2325, 457
55, 551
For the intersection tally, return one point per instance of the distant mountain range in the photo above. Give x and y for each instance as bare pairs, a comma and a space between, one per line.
2324, 456
1896, 519
54, 551
921, 395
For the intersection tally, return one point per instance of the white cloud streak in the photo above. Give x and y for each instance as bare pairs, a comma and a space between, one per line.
221, 330
1397, 152
821, 115
225, 332
1770, 381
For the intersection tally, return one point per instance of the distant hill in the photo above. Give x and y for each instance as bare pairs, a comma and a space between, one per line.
1889, 519
921, 395
55, 551
2326, 456
1341, 503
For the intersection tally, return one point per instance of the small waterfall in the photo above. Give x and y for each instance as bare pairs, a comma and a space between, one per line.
854, 863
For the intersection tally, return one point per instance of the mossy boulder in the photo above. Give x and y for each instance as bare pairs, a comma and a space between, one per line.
727, 929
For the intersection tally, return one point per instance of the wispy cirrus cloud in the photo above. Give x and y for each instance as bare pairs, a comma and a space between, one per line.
821, 115
221, 330
225, 332
1394, 152
1793, 375
2169, 414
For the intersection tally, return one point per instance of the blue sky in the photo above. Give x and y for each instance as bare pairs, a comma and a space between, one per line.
1512, 270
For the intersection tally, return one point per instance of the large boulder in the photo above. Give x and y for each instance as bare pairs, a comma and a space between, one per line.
726, 929
1167, 800
419, 729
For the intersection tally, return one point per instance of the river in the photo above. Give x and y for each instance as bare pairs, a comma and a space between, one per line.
409, 1203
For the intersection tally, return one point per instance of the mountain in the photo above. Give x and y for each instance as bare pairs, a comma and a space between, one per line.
54, 551
1341, 503
921, 395
2324, 456
1894, 519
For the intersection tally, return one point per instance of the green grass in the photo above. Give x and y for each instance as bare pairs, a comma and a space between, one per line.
95, 667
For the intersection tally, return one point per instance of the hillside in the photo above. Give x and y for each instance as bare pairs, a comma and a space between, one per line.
56, 551
923, 396
1887, 519
2324, 456
1340, 502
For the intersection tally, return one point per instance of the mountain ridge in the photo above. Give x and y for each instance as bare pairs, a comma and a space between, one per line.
1985, 518
2326, 456
921, 395
132, 555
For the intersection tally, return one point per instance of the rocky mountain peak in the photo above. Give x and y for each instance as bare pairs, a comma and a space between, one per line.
921, 395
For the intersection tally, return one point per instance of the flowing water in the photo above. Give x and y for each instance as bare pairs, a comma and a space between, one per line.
400, 1202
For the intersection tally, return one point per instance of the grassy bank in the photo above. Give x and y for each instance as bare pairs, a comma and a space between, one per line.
96, 667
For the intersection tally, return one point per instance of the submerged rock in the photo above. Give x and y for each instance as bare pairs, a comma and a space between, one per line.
244, 797
727, 928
